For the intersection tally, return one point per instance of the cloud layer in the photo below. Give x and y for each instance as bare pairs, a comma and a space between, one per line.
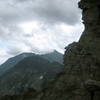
38, 26
53, 11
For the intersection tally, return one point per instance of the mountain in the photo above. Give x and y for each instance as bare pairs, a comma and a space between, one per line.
33, 71
53, 56
13, 61
81, 80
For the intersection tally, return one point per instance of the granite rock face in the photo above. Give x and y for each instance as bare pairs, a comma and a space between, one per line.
81, 78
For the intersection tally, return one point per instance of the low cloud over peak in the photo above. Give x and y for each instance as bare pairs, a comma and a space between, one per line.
38, 25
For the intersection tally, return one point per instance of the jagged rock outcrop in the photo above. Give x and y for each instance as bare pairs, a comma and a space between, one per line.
81, 78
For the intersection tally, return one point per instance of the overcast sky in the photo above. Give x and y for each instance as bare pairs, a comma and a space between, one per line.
38, 26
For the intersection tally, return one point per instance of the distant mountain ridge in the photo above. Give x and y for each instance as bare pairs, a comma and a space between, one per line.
13, 61
52, 57
33, 71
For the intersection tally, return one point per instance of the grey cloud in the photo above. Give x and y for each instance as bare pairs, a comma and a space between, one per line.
14, 51
50, 11
13, 12
9, 32
58, 11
